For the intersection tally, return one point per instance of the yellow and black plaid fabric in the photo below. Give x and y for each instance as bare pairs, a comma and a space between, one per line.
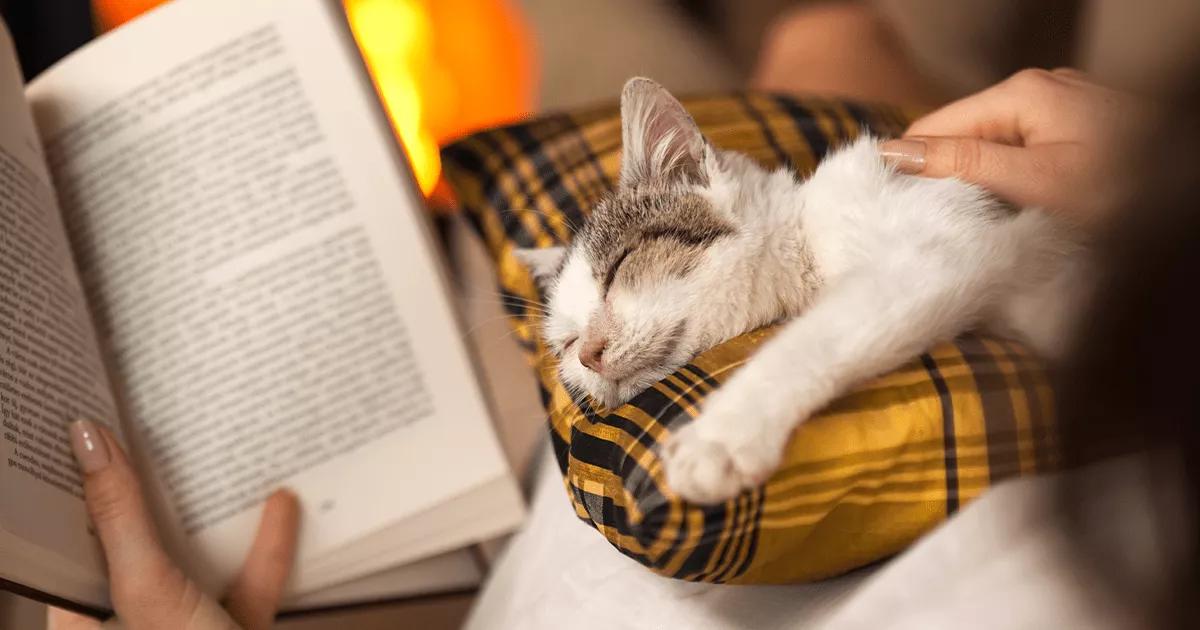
860, 481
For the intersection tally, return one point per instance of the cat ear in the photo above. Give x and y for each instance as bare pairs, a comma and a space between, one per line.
543, 263
660, 140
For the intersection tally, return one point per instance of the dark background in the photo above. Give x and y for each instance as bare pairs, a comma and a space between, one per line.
46, 30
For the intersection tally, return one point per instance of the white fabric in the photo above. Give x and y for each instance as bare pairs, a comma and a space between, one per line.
560, 574
1000, 563
1005, 562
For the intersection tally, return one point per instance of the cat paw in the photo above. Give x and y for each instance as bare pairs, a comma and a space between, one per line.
707, 469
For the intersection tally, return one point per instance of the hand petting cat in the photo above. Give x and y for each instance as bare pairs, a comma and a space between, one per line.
1049, 139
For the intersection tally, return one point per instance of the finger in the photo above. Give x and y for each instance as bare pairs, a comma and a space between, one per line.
1072, 74
254, 597
1017, 111
59, 619
142, 578
992, 114
1022, 175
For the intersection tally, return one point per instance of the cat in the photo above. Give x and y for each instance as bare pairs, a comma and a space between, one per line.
698, 245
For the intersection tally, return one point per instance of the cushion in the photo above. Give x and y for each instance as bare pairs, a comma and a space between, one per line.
859, 481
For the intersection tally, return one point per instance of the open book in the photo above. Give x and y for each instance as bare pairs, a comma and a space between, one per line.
210, 241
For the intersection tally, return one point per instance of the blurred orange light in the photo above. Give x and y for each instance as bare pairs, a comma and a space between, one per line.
442, 68
113, 13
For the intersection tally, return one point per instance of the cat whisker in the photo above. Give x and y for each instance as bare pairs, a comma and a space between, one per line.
530, 307
492, 320
561, 219
512, 331
510, 300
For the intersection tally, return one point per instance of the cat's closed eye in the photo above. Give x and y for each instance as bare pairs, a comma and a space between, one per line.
616, 266
566, 344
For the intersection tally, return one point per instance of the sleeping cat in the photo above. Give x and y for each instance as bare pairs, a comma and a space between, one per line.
698, 245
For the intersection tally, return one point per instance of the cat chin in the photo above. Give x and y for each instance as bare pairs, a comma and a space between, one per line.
614, 394
612, 398
609, 394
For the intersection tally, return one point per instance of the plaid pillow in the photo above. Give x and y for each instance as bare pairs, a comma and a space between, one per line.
859, 482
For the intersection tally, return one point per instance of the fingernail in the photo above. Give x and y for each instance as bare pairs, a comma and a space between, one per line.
283, 494
89, 446
908, 156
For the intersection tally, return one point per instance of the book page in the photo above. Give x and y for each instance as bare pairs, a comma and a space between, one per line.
454, 571
258, 263
50, 367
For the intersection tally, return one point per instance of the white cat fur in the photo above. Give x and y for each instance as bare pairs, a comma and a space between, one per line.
872, 266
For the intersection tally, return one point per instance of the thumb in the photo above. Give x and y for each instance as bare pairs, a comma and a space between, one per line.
1021, 175
255, 595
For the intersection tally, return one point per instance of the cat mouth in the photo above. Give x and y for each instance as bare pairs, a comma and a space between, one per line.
612, 394
657, 362
655, 357
615, 393
606, 394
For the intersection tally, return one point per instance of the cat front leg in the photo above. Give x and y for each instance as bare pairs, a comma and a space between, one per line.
863, 326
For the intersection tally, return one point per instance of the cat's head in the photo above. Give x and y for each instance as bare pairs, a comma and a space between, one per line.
660, 270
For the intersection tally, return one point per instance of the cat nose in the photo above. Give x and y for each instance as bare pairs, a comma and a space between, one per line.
591, 354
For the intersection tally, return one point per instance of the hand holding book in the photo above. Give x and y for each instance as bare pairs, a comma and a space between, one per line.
148, 589
210, 240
